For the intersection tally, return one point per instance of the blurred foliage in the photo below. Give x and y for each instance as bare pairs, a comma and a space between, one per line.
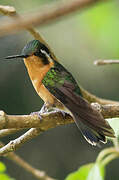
3, 175
88, 172
102, 23
81, 173
96, 170
114, 123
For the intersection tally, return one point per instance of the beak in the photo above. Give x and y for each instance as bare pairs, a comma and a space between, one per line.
15, 56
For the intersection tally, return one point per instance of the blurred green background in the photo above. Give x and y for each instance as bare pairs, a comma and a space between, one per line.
77, 40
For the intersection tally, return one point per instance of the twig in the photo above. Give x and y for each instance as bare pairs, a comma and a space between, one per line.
41, 175
109, 158
106, 62
7, 10
107, 155
6, 132
47, 15
106, 152
108, 111
15, 144
92, 98
115, 143
11, 12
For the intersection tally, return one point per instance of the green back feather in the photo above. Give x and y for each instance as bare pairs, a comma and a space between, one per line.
57, 76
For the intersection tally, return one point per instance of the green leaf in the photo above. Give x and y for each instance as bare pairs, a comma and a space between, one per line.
88, 172
4, 177
2, 167
102, 25
97, 172
81, 173
114, 123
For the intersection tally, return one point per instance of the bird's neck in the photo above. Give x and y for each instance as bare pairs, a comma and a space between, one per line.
36, 70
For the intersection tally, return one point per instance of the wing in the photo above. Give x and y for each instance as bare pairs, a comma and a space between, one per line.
89, 121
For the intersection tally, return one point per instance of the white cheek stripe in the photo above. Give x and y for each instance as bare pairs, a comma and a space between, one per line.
44, 52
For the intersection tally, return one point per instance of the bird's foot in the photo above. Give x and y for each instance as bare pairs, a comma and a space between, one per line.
44, 109
38, 113
64, 113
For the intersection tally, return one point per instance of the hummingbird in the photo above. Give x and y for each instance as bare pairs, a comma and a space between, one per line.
59, 90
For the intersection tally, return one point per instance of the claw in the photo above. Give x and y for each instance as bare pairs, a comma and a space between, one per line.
64, 114
44, 109
38, 113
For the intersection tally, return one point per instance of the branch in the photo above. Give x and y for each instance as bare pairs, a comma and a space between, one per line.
92, 98
41, 175
6, 132
7, 10
49, 14
106, 61
15, 144
108, 111
49, 120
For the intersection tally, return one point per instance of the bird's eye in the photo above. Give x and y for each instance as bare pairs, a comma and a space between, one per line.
25, 56
40, 53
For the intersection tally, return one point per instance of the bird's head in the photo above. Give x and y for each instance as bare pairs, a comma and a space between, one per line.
35, 49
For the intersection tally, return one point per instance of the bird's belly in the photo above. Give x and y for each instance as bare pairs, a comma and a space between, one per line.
51, 101
46, 96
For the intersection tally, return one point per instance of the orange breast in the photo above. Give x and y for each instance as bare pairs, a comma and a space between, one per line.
37, 70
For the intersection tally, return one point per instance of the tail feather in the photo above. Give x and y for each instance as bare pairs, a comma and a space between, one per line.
93, 137
91, 123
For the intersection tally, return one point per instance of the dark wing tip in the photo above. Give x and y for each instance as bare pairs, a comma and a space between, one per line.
93, 137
